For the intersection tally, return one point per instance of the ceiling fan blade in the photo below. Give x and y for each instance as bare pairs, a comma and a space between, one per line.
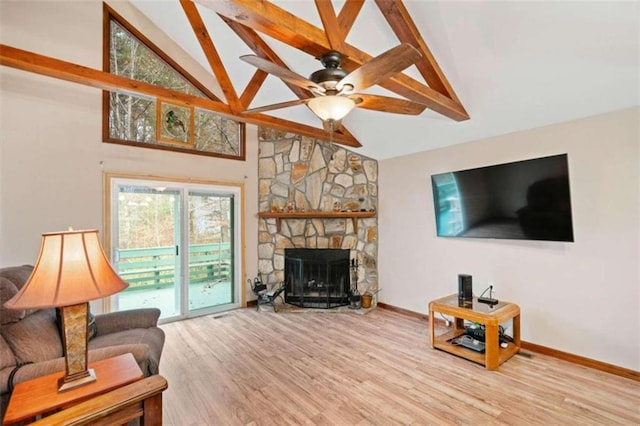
380, 68
387, 104
277, 106
283, 73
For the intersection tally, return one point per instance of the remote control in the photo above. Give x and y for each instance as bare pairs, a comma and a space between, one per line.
487, 300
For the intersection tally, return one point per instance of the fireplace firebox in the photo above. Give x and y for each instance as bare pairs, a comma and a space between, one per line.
317, 278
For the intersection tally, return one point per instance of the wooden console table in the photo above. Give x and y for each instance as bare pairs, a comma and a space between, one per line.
491, 316
40, 396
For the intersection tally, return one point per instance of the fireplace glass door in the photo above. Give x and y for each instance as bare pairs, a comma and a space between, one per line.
317, 278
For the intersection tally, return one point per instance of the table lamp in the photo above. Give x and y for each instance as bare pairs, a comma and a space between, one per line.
71, 270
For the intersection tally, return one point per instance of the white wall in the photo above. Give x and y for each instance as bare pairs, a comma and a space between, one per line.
52, 158
582, 297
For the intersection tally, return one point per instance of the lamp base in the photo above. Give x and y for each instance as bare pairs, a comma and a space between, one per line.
74, 337
66, 383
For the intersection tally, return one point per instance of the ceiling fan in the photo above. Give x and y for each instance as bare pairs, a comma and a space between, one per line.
334, 89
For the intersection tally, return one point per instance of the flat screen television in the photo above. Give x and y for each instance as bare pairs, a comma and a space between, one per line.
524, 200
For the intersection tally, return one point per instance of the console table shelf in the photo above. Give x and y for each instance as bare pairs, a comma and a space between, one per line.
354, 216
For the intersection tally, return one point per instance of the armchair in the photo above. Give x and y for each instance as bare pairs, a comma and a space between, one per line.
31, 346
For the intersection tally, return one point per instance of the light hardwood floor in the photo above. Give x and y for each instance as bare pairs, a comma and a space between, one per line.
262, 368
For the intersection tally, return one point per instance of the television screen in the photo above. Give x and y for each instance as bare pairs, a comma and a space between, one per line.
526, 200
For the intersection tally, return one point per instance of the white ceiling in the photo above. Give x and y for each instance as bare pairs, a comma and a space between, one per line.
514, 65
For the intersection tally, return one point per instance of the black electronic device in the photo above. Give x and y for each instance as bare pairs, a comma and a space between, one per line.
526, 200
475, 331
488, 300
469, 343
465, 290
478, 332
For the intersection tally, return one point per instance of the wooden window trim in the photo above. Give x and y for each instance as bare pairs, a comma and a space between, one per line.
110, 14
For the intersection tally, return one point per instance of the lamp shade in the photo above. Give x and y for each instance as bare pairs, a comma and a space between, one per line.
331, 107
71, 268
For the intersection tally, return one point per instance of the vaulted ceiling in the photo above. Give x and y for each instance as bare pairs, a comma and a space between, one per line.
255, 21
487, 68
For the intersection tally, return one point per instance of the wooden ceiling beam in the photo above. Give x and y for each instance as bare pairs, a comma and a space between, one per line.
348, 15
265, 17
344, 131
56, 68
405, 29
262, 49
409, 88
275, 22
332, 29
210, 52
252, 88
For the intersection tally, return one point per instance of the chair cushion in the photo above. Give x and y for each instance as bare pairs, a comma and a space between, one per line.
7, 291
17, 274
35, 338
6, 355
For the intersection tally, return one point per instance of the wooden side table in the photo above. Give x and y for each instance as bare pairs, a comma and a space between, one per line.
491, 316
40, 396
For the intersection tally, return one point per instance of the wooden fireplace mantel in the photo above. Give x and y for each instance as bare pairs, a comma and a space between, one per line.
354, 216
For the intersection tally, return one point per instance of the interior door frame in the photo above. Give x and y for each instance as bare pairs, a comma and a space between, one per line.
239, 231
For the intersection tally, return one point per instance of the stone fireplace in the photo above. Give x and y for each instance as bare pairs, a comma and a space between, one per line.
298, 174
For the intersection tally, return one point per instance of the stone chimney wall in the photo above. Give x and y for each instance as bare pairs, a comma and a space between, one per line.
304, 174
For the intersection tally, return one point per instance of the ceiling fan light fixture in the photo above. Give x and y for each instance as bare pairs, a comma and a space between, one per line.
331, 107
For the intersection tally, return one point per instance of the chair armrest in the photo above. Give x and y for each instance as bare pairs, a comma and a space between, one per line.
126, 320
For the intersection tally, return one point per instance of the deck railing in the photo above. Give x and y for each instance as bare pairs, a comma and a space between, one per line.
156, 266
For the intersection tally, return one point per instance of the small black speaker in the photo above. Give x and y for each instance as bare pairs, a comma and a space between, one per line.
465, 291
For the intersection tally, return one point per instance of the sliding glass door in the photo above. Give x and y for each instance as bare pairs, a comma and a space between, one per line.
211, 247
175, 244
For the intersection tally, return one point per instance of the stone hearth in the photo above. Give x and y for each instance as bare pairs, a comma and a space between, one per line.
303, 174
